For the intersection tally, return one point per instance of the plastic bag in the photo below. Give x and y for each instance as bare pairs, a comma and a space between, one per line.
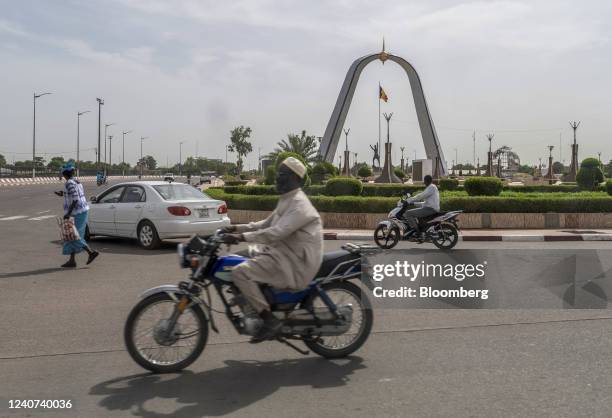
68, 230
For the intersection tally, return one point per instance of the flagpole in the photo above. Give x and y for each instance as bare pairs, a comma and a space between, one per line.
379, 150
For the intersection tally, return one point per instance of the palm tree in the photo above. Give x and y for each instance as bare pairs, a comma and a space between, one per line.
304, 145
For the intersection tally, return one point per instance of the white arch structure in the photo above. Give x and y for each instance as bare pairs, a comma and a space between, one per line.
330, 140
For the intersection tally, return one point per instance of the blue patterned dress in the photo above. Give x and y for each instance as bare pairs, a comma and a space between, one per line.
73, 191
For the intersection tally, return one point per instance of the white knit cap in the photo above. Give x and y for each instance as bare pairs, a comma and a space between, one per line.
295, 165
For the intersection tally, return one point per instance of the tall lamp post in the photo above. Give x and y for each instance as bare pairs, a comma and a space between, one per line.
123, 153
100, 103
110, 151
142, 138
36, 96
78, 156
181, 157
106, 125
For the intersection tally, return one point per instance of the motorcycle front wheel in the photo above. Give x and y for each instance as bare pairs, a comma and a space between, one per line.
445, 236
153, 346
386, 237
336, 346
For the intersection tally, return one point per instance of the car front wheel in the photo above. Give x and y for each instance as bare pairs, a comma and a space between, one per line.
147, 236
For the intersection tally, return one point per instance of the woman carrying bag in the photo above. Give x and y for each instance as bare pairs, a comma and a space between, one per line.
75, 205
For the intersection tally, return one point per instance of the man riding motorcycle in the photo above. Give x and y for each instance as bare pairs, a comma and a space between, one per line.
427, 202
293, 246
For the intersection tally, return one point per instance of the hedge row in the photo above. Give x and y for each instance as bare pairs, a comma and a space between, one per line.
395, 190
473, 204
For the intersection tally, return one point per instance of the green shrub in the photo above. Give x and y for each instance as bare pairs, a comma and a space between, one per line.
270, 177
322, 170
609, 187
590, 175
483, 186
389, 190
314, 190
543, 188
364, 171
234, 181
448, 184
479, 204
251, 190
399, 173
343, 186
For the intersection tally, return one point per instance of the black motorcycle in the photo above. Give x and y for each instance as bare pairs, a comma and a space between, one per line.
441, 228
167, 330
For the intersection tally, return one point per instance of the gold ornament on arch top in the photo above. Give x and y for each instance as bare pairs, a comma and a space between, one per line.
383, 56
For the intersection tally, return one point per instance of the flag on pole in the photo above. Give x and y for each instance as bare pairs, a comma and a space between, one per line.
381, 94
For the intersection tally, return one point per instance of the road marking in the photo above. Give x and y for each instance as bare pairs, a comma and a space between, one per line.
44, 211
40, 218
12, 218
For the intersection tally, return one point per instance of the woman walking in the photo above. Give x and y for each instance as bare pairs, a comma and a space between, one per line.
75, 204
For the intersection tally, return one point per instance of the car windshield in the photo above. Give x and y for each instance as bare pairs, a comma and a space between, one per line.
179, 192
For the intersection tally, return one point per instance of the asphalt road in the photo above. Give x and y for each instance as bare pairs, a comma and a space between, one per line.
61, 338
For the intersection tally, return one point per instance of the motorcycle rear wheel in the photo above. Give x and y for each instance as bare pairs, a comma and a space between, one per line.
162, 364
386, 237
336, 346
447, 236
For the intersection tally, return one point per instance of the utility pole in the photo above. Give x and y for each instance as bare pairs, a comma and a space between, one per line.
100, 104
142, 138
106, 125
110, 151
78, 156
123, 152
36, 96
181, 157
474, 146
574, 164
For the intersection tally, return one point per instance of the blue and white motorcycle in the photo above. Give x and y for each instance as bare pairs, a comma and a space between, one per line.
167, 330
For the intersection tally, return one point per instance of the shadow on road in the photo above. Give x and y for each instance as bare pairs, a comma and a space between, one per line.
223, 390
31, 272
116, 245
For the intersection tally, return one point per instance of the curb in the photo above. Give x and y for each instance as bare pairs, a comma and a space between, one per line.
25, 181
334, 236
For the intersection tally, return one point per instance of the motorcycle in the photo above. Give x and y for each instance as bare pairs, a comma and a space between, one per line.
168, 329
101, 179
441, 228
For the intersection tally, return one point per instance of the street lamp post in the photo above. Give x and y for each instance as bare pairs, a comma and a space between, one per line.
123, 153
100, 103
106, 125
142, 138
78, 156
181, 157
110, 151
36, 96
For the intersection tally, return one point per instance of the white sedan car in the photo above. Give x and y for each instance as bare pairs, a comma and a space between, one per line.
151, 211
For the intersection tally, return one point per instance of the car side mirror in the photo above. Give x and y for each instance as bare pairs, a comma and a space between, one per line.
93, 199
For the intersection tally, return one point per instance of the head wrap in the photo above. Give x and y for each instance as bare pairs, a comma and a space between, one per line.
295, 165
67, 168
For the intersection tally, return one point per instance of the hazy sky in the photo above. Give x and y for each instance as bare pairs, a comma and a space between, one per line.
191, 70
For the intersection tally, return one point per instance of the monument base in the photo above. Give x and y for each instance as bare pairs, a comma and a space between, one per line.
388, 176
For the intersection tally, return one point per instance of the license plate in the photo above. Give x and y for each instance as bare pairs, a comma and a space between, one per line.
203, 213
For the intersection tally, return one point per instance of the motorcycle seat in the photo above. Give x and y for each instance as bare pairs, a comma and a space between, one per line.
332, 259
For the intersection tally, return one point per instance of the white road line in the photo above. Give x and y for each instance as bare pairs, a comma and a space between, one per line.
44, 211
40, 218
12, 218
